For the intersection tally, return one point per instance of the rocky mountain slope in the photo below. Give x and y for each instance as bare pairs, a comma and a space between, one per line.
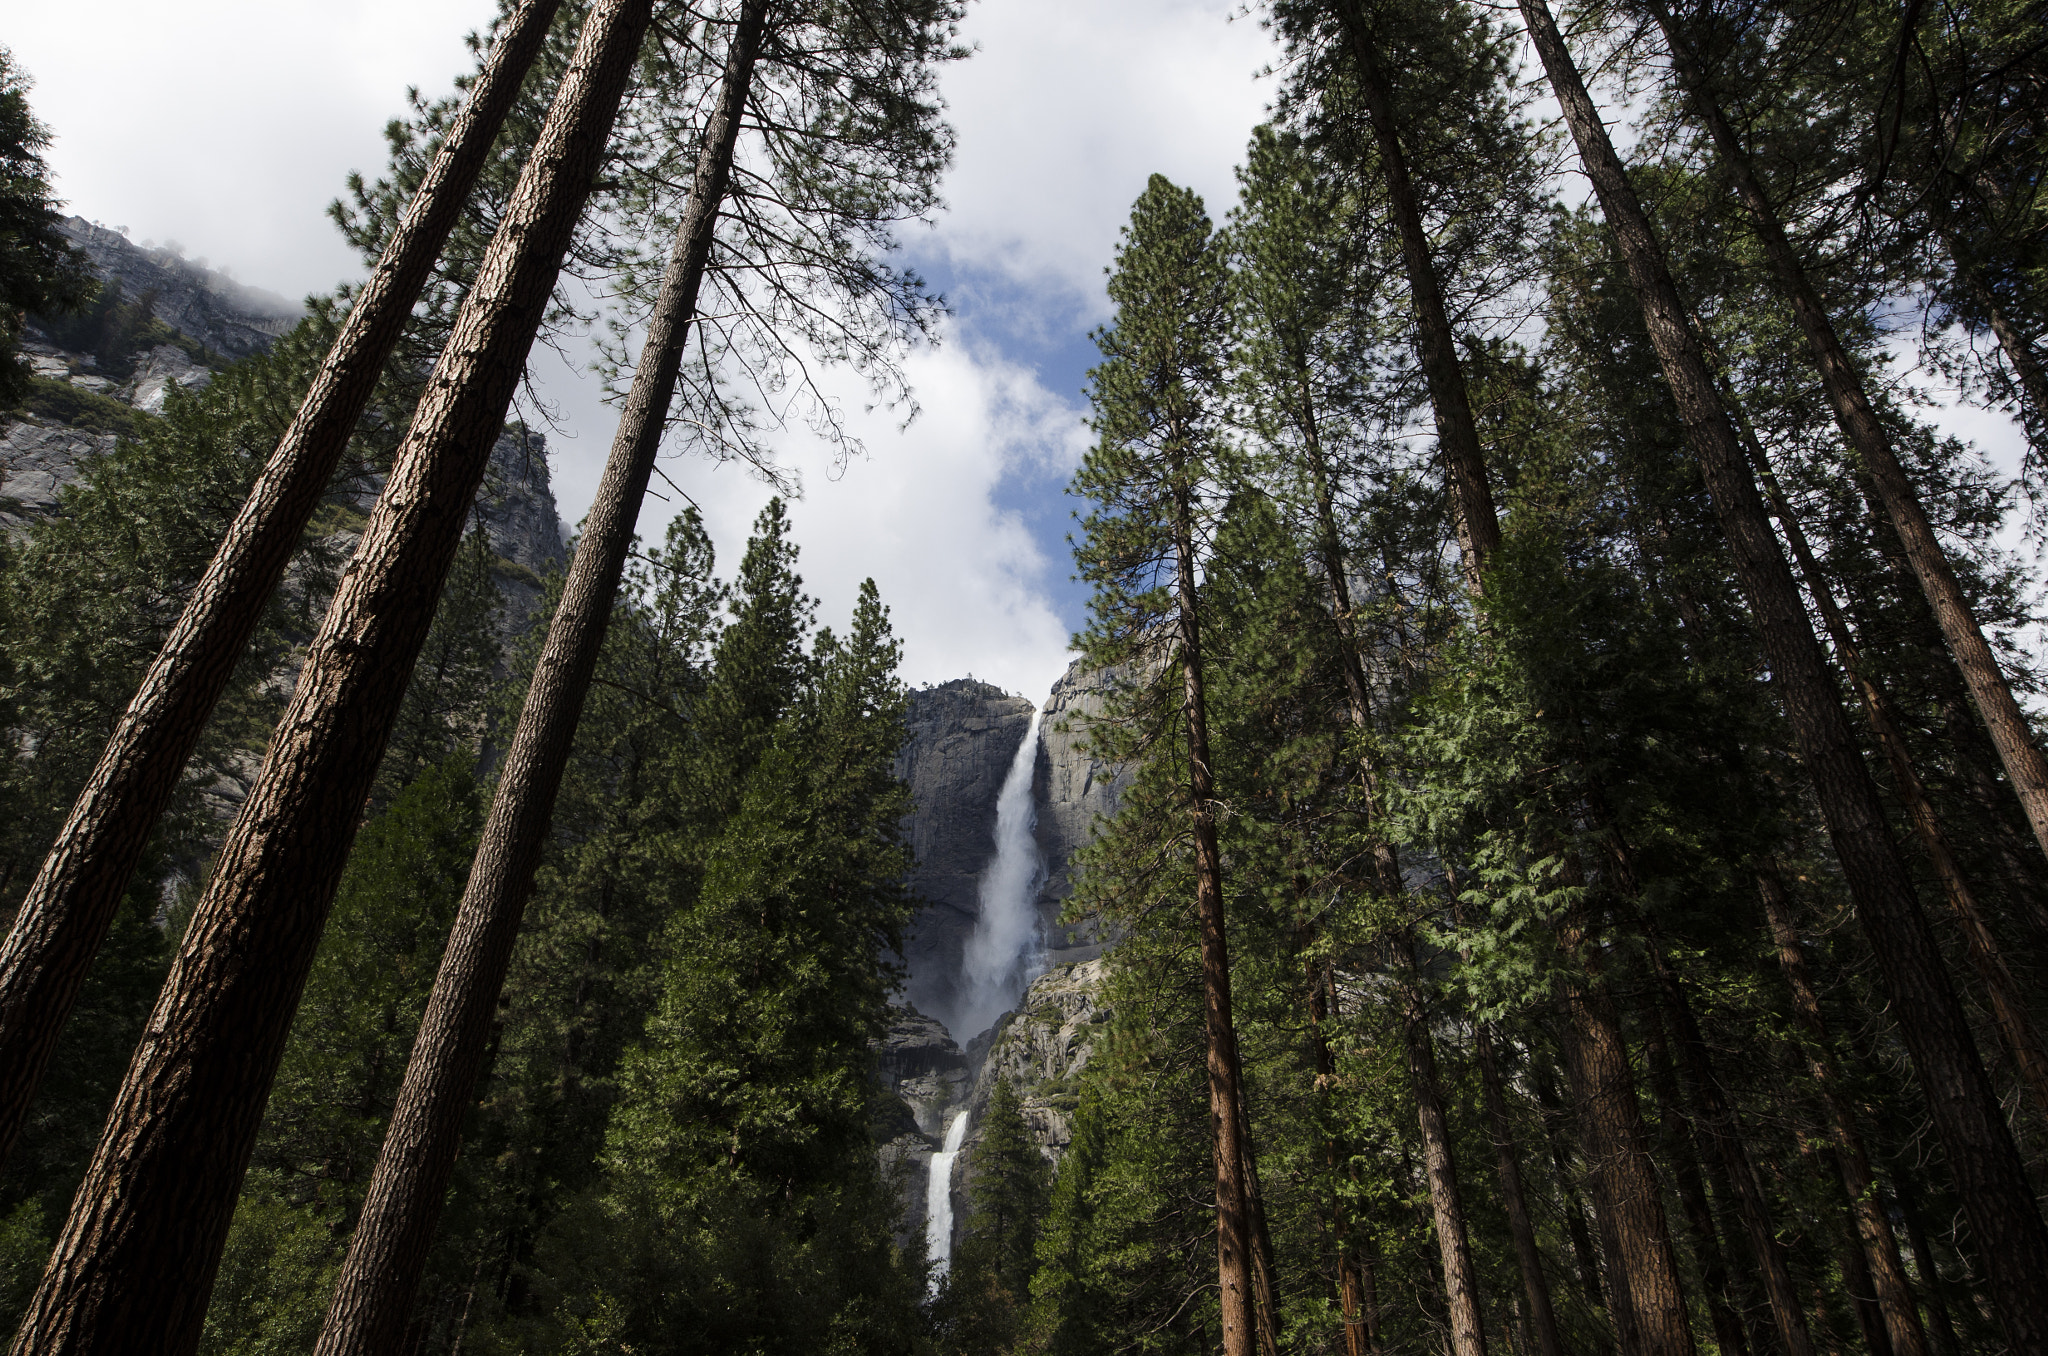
224, 320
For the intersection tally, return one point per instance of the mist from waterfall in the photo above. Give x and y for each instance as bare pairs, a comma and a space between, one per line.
1005, 952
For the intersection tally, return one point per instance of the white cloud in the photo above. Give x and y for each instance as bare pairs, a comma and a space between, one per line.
228, 125
964, 580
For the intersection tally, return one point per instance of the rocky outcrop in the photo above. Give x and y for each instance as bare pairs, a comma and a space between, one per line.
961, 739
228, 317
1075, 789
1040, 1047
36, 461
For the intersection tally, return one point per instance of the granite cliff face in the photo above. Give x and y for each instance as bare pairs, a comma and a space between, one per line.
228, 317
963, 736
1040, 1047
39, 457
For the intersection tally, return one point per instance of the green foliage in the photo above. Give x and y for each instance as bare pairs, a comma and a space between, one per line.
40, 270
60, 402
987, 1292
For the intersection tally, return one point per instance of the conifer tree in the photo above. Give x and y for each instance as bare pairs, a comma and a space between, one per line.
41, 272
140, 1249
1990, 1174
53, 938
1153, 475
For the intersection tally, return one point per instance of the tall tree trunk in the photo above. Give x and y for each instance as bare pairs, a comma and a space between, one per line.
137, 1257
1880, 1247
1542, 1317
1941, 1328
1570, 1206
1356, 1305
1440, 1164
389, 1247
2008, 1005
2010, 733
1457, 431
1682, 1156
1265, 1285
1724, 1131
1649, 1303
69, 908
1989, 1173
1233, 1223
1461, 1283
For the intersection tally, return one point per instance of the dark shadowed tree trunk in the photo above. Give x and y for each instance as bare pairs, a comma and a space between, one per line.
373, 1295
1439, 1163
1990, 1177
2024, 762
1542, 1317
64, 919
135, 1262
1649, 1303
1873, 1229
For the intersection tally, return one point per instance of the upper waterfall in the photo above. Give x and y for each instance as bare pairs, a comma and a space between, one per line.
1004, 953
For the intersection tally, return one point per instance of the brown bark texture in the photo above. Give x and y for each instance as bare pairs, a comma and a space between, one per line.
2010, 732
1439, 1163
65, 917
1681, 1154
1457, 431
1873, 1229
1989, 1174
1724, 1132
135, 1263
2008, 1004
1354, 1274
1649, 1302
1233, 1223
1542, 1316
388, 1250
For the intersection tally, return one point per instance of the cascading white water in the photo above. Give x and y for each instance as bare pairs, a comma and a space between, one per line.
1001, 957
938, 1201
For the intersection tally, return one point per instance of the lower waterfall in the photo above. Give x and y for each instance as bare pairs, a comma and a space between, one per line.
938, 1203
998, 963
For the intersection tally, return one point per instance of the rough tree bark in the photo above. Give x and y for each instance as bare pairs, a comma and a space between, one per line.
1682, 1156
1990, 1176
1514, 1199
1233, 1223
2025, 764
1357, 1303
1649, 1302
1724, 1132
1440, 1164
69, 908
136, 1260
2008, 1005
1873, 1229
388, 1250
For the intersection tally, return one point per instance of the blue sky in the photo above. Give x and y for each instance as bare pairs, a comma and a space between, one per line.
227, 126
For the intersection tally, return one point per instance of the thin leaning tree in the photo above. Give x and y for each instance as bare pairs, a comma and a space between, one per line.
1989, 1174
140, 1250
64, 919
1857, 417
892, 49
